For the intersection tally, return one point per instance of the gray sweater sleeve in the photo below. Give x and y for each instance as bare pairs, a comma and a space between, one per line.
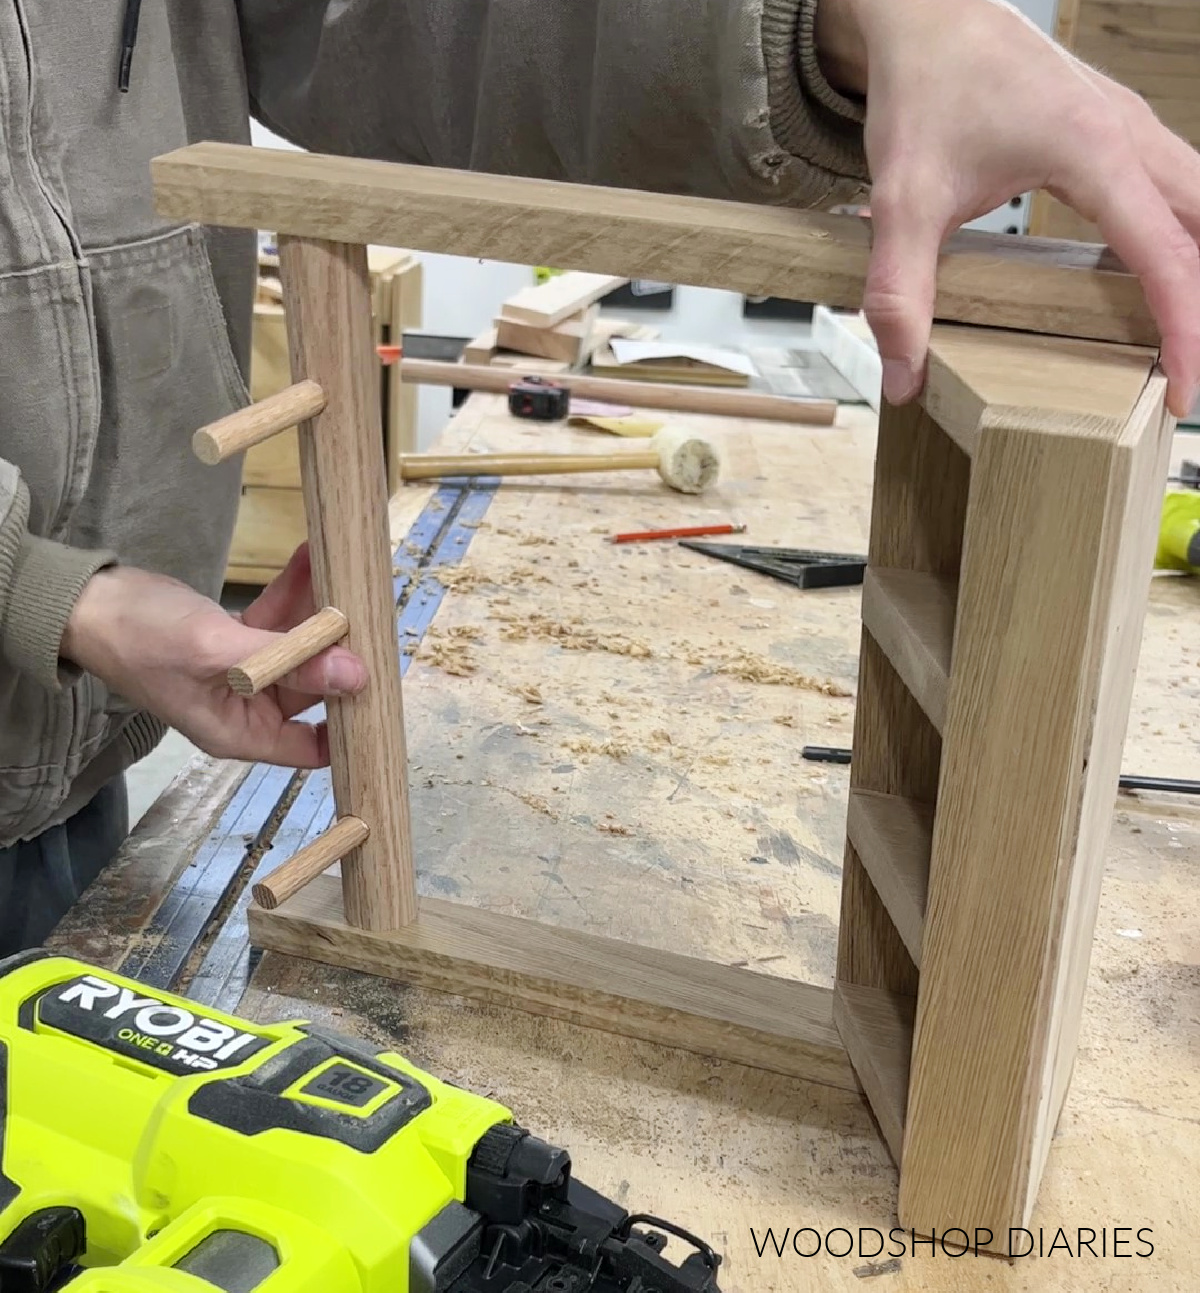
722, 98
40, 582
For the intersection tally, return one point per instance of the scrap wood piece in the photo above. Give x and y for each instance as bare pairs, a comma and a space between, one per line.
482, 350
558, 298
564, 341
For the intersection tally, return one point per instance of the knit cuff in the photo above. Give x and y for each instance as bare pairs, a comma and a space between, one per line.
809, 118
811, 75
46, 581
141, 735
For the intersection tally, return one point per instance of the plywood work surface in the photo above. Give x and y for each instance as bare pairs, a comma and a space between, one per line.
594, 718
722, 843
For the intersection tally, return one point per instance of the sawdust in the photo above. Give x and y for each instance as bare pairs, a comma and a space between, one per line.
613, 749
571, 636
536, 802
738, 662
531, 693
658, 738
785, 720
613, 828
533, 540
524, 575
450, 649
461, 579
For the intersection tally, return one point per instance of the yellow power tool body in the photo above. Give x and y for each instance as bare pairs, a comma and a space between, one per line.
1179, 534
150, 1146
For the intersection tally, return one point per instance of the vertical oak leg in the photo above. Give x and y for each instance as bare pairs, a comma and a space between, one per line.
327, 296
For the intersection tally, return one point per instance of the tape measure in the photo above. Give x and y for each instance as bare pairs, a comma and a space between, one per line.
539, 400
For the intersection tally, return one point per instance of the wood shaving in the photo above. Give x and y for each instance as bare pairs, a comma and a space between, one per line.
613, 749
536, 802
460, 579
613, 828
532, 540
737, 662
524, 575
450, 651
531, 693
571, 637
785, 720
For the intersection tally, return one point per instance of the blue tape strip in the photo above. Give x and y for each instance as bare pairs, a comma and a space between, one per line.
184, 915
424, 599
440, 536
230, 960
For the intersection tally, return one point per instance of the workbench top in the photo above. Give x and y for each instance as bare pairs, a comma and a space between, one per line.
607, 738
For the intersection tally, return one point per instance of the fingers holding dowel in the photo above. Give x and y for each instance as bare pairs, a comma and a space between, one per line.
288, 653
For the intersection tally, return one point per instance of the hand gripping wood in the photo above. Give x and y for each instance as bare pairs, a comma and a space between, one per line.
294, 648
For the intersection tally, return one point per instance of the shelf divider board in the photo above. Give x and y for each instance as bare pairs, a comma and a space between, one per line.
910, 614
893, 838
877, 1028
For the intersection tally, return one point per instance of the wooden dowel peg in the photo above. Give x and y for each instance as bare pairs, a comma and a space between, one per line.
307, 639
721, 401
250, 426
419, 466
313, 860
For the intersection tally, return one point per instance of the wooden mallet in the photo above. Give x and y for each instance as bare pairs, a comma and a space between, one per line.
685, 461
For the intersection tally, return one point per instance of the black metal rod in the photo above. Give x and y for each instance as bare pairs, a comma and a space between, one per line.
1170, 785
1167, 785
825, 754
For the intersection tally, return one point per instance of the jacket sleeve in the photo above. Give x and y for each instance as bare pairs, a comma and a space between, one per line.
719, 98
40, 582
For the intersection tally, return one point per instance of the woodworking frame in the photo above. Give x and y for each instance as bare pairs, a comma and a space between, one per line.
1013, 524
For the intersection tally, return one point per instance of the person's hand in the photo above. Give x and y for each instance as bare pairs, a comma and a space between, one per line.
166, 649
970, 104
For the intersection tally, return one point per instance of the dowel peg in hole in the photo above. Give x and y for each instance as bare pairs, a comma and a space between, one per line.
343, 837
307, 639
257, 422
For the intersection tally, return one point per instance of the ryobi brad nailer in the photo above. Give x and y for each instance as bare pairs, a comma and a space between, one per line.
149, 1146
